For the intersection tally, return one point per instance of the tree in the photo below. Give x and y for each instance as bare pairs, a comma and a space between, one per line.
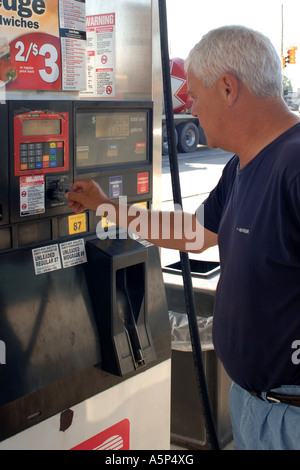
287, 85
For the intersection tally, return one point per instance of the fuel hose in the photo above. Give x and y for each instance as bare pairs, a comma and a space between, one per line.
185, 263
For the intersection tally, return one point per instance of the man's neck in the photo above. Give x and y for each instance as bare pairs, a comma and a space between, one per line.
270, 119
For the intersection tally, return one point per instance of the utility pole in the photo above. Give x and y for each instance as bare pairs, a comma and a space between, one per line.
281, 30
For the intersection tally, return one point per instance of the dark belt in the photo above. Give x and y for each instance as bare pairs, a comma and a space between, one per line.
273, 397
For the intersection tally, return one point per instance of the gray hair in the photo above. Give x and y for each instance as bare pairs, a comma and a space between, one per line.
242, 52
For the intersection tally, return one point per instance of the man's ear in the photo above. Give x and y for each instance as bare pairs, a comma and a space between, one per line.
229, 86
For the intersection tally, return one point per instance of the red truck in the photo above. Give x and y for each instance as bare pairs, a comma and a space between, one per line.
189, 133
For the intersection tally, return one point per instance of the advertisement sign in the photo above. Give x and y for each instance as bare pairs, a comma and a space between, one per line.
116, 437
43, 44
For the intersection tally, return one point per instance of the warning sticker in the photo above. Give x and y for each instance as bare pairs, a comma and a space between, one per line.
73, 253
46, 259
32, 195
101, 72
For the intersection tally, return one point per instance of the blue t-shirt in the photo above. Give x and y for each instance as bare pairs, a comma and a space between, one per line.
256, 213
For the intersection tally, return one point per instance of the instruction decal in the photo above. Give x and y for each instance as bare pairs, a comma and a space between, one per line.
101, 31
73, 253
46, 259
115, 186
32, 195
143, 183
73, 44
54, 257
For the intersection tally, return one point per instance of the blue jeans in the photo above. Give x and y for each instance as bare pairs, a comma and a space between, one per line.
259, 425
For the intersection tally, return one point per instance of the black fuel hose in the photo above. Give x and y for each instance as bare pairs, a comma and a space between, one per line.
185, 263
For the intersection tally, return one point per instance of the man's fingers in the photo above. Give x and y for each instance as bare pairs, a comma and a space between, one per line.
76, 207
72, 196
87, 194
75, 202
79, 186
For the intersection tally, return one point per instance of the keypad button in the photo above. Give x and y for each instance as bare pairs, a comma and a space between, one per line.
41, 155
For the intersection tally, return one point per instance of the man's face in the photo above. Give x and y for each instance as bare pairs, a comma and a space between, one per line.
206, 107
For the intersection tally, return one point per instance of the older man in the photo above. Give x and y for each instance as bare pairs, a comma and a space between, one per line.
235, 81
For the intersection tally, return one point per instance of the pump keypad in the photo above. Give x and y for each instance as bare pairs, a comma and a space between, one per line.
41, 155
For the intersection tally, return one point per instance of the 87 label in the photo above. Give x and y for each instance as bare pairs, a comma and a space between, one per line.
77, 224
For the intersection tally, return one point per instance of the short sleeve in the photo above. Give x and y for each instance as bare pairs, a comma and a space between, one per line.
215, 203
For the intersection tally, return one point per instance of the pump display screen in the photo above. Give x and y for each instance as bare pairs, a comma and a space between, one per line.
116, 126
41, 127
105, 138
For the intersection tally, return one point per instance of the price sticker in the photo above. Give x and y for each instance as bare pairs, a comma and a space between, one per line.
77, 224
37, 60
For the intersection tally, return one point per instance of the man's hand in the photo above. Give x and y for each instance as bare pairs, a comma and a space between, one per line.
86, 194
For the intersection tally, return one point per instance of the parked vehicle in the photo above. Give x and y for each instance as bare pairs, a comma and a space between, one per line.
189, 133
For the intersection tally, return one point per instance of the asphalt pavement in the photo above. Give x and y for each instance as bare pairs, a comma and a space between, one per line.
199, 172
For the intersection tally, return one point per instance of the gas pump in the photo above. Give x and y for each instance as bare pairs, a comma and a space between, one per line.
84, 321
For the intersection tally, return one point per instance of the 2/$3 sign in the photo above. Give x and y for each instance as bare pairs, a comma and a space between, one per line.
24, 9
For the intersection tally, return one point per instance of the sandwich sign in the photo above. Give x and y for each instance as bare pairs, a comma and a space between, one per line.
43, 47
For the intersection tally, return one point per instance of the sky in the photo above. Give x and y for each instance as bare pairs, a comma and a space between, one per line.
189, 20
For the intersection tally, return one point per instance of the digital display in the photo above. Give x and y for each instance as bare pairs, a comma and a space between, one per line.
111, 137
112, 125
32, 127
